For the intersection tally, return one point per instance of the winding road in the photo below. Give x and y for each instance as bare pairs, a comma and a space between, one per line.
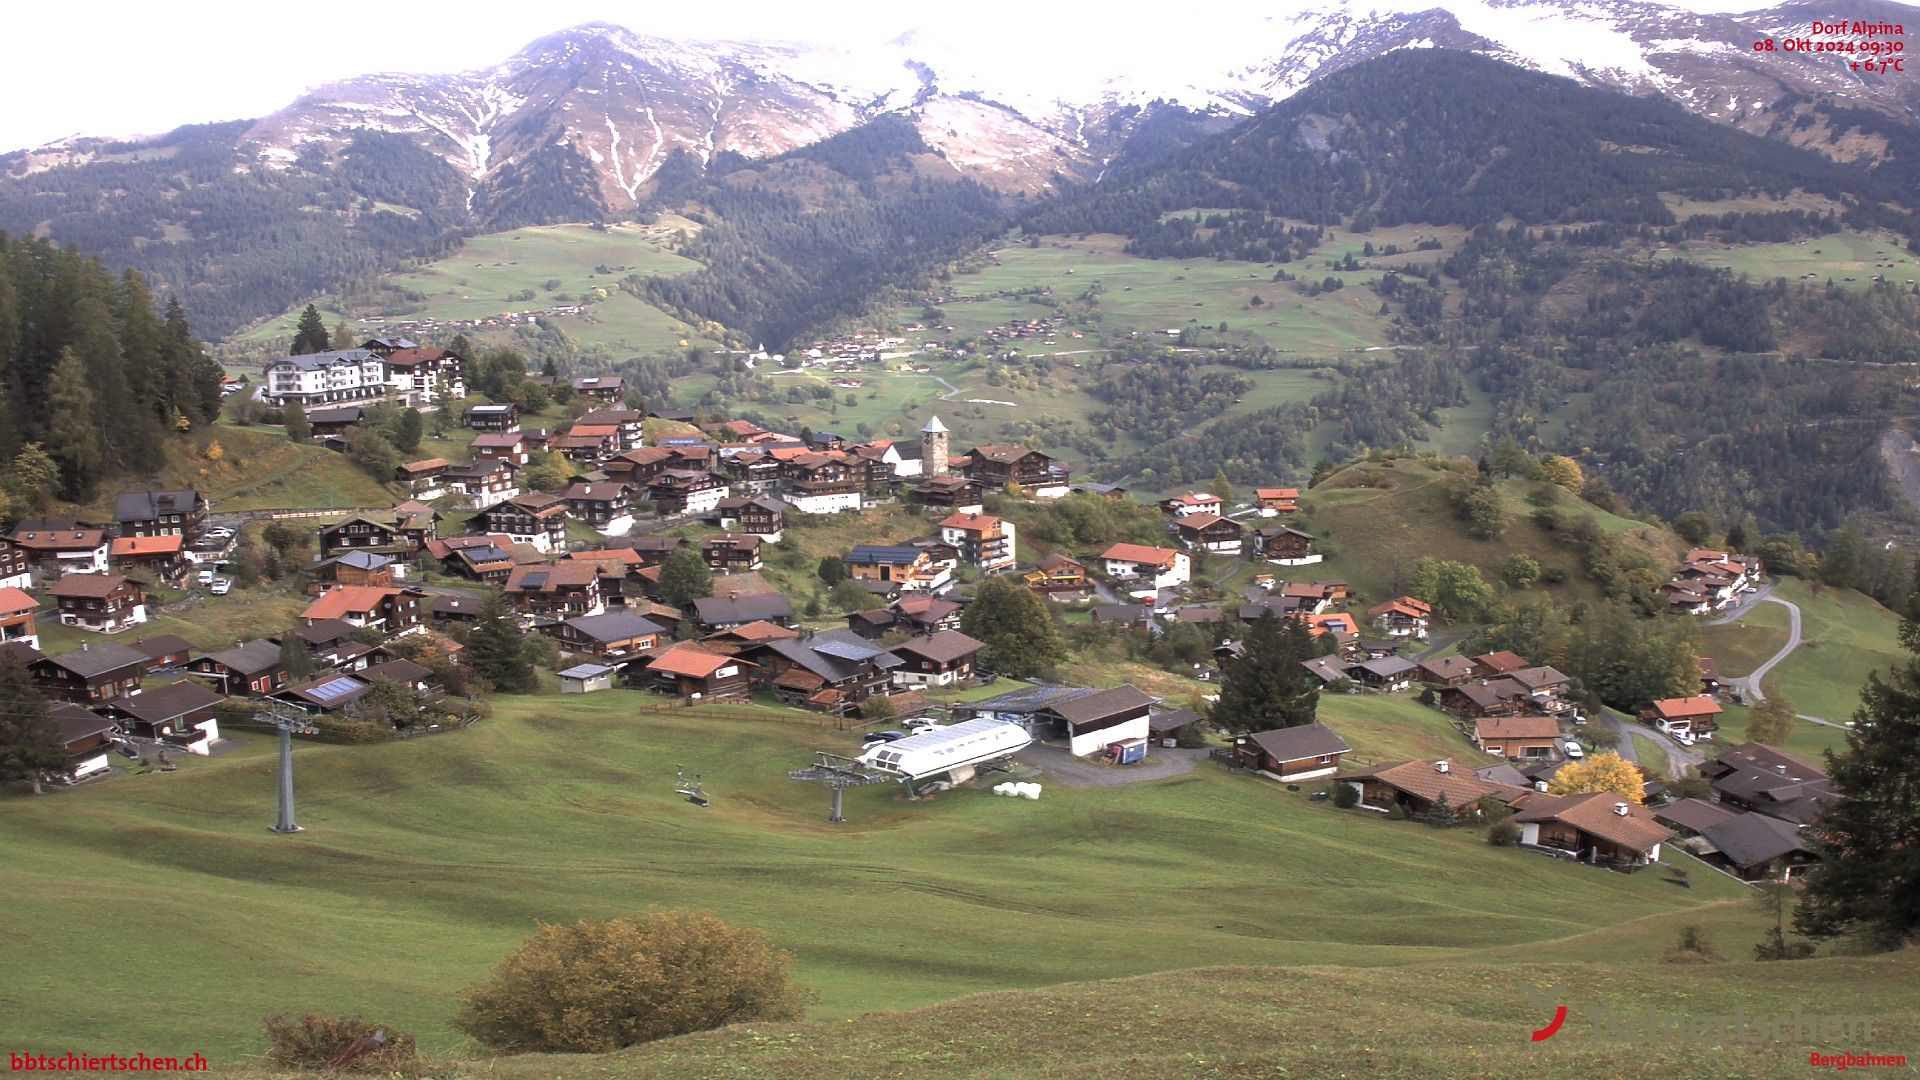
1750, 684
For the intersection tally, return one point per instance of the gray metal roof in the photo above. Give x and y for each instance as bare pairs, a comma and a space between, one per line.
319, 360
93, 660
1296, 743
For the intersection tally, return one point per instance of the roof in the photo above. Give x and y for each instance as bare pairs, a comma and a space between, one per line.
497, 441
1675, 708
758, 630
88, 585
971, 522
1425, 780
1502, 661
448, 605
325, 631
59, 539
15, 601
401, 670
587, 671
248, 658
1447, 667
426, 465
602, 492
1276, 493
1402, 605
93, 660
1203, 521
1102, 704
76, 723
1534, 678
148, 546
1597, 813
1698, 815
1755, 755
1516, 727
329, 691
347, 599
359, 560
319, 360
153, 648
1387, 667
550, 577
163, 703
934, 426
1329, 669
942, 648
152, 505
1296, 743
1139, 613
689, 659
884, 555
1140, 553
339, 414
1171, 720
1749, 840
614, 626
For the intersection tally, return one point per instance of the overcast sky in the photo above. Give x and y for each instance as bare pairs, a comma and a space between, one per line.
117, 68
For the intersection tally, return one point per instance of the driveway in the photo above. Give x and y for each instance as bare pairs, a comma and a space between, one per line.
1679, 758
1066, 770
1751, 683
1746, 604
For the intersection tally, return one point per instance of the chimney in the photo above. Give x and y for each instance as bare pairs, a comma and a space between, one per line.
1440, 766
1621, 808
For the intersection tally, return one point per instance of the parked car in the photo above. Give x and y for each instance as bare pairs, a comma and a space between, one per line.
882, 736
206, 577
1683, 738
222, 586
1574, 751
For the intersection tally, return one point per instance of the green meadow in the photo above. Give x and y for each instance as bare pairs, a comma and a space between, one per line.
424, 861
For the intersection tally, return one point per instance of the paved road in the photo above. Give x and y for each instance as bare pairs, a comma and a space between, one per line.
1066, 770
1751, 683
1679, 758
1739, 610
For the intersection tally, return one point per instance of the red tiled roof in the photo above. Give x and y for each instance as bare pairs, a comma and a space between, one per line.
148, 545
88, 585
347, 600
1140, 553
15, 601
689, 659
1674, 708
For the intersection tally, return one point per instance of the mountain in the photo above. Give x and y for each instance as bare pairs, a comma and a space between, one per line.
597, 121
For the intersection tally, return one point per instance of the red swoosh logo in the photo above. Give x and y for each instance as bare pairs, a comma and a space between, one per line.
1552, 1029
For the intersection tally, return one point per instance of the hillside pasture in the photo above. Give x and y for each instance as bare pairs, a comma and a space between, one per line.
1840, 256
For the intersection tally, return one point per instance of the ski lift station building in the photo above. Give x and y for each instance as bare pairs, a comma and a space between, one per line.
1087, 720
956, 749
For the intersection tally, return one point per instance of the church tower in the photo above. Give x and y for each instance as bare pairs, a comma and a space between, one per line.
933, 448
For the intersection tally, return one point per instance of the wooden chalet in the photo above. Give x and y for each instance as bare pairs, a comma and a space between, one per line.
536, 519
1415, 786
695, 673
353, 568
1210, 532
1695, 716
85, 737
103, 603
180, 713
563, 590
163, 651
1445, 671
1284, 546
495, 418
17, 609
423, 479
831, 671
1009, 468
392, 611
685, 491
1305, 752
1597, 827
758, 515
615, 636
362, 534
940, 659
1517, 737
76, 549
1280, 500
251, 668
91, 674
731, 553
160, 513
1058, 578
981, 540
1403, 616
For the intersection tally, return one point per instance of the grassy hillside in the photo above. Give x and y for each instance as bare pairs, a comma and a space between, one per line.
1441, 1020
1844, 637
1381, 518
424, 861
1739, 647
255, 468
1851, 258
487, 277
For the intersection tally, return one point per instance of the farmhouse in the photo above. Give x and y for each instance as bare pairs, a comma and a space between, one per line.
725, 612
1518, 737
1757, 777
1756, 847
1057, 577
1306, 752
603, 507
1210, 532
760, 515
1278, 500
941, 659
361, 534
91, 674
424, 479
1162, 568
1597, 827
1011, 467
685, 491
1192, 503
696, 673
912, 567
481, 482
103, 603
1284, 546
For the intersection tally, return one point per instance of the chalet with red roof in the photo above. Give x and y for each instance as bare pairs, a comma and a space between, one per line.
1695, 716
103, 603
1160, 568
1210, 532
1403, 616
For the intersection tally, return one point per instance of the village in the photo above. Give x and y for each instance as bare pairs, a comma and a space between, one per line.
377, 645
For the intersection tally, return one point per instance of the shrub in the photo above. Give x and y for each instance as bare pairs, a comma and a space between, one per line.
339, 1045
1503, 834
1396, 813
1690, 946
597, 986
1345, 796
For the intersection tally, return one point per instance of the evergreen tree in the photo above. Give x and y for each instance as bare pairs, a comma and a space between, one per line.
1443, 815
299, 429
1016, 628
29, 739
498, 653
1223, 488
1266, 686
832, 570
408, 430
1867, 879
685, 577
72, 437
294, 656
310, 336
343, 337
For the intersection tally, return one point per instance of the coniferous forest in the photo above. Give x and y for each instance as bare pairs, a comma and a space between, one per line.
90, 369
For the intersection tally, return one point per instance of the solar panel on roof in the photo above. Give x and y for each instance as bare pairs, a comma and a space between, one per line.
333, 689
535, 580
846, 650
